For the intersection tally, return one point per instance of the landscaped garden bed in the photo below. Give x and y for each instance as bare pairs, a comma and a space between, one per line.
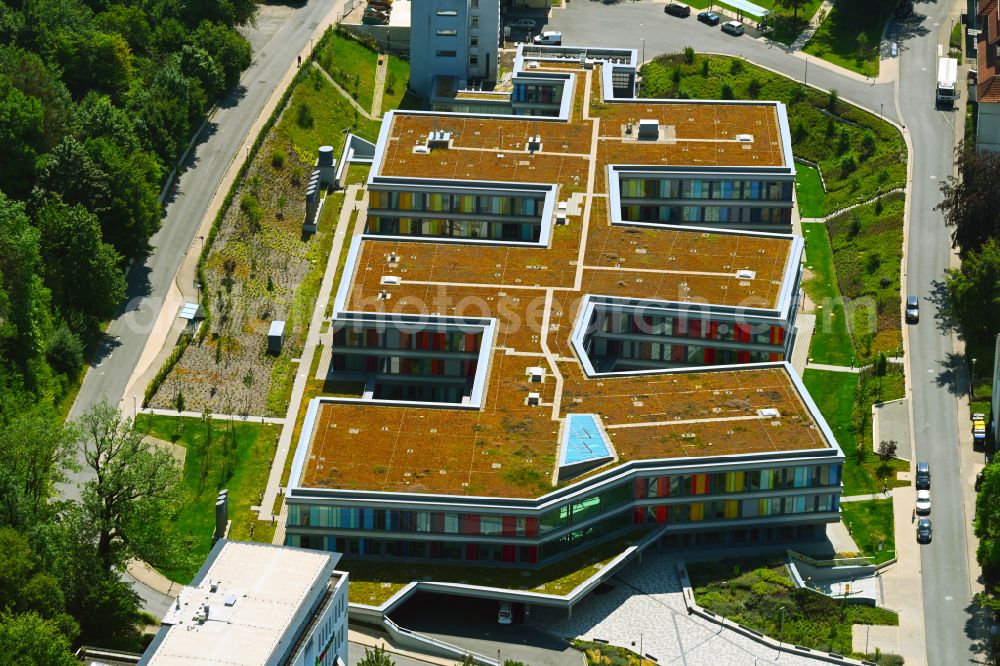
762, 596
851, 35
603, 654
859, 154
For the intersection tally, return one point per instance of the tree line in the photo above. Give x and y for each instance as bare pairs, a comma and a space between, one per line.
98, 98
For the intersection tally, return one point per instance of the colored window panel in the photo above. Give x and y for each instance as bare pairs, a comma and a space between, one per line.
697, 511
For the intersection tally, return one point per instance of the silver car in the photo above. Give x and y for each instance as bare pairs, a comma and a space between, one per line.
923, 502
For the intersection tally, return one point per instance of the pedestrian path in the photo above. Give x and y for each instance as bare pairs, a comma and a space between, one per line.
810, 30
218, 417
832, 368
888, 494
364, 112
383, 65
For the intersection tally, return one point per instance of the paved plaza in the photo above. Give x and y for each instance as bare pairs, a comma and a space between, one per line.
646, 601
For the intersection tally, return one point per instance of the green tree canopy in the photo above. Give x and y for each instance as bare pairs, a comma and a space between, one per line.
987, 521
971, 203
974, 292
22, 137
24, 307
29, 640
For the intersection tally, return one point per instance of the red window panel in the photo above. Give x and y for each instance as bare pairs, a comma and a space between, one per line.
470, 523
423, 340
371, 338
699, 484
638, 516
406, 366
680, 326
471, 552
663, 487
371, 363
531, 527
470, 369
713, 330
437, 367
694, 328
437, 522
533, 554
742, 332
742, 357
404, 340
640, 488
508, 553
471, 342
678, 353
777, 335
661, 514
439, 341
509, 526
775, 356
709, 356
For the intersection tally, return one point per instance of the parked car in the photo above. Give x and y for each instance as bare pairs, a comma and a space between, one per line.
678, 9
912, 309
923, 502
380, 5
734, 28
523, 23
505, 616
924, 530
711, 18
923, 475
548, 38
375, 15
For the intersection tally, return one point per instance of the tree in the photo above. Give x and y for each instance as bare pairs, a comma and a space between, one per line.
887, 449
229, 50
29, 640
794, 5
987, 521
971, 203
36, 450
974, 292
24, 300
70, 172
65, 351
71, 247
862, 45
131, 492
376, 657
22, 138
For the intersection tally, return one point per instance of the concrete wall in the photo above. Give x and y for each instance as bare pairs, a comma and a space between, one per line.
988, 127
392, 38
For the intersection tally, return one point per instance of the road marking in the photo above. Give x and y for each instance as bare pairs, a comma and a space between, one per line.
949, 598
931, 370
933, 177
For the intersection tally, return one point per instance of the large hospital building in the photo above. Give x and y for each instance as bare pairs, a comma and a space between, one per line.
568, 315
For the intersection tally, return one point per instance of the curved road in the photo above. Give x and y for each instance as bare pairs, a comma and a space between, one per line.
937, 376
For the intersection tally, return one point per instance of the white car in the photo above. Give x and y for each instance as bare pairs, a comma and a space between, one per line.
505, 616
734, 28
923, 502
523, 23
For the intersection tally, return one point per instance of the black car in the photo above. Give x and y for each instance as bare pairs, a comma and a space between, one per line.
924, 530
923, 475
678, 9
711, 18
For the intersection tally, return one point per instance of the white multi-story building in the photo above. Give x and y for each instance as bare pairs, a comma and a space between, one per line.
453, 43
257, 604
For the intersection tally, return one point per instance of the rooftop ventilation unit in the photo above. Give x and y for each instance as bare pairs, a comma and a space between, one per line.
438, 139
534, 143
533, 64
536, 374
534, 399
391, 279
768, 412
213, 586
746, 274
230, 599
649, 129
393, 257
421, 149
744, 138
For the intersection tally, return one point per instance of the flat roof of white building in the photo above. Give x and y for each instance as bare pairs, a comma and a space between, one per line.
244, 606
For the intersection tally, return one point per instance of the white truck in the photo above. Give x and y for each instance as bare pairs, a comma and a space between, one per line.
947, 90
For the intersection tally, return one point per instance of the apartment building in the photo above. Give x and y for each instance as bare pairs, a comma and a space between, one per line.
987, 89
453, 44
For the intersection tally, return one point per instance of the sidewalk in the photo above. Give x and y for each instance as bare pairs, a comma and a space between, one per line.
219, 417
373, 638
152, 578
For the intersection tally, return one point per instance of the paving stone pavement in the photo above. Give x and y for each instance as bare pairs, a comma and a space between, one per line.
646, 599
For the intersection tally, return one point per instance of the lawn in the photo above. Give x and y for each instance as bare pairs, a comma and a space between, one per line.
867, 250
838, 39
351, 64
212, 462
763, 596
809, 192
871, 525
859, 154
326, 114
831, 342
374, 582
845, 399
397, 75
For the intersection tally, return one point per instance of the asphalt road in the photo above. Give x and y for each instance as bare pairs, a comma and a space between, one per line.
937, 374
280, 34
628, 23
472, 624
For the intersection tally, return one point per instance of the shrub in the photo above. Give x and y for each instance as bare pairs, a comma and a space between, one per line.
727, 91
736, 66
831, 99
878, 206
867, 145
689, 55
278, 158
676, 76
848, 165
797, 95
753, 89
304, 116
843, 141
704, 67
65, 351
161, 374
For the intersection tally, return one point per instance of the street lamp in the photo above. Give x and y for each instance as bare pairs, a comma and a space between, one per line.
805, 79
782, 625
640, 646
972, 382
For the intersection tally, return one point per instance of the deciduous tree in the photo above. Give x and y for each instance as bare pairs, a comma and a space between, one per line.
28, 640
971, 203
974, 292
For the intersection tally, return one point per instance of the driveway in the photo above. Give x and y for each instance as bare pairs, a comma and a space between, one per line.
626, 24
472, 624
643, 605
